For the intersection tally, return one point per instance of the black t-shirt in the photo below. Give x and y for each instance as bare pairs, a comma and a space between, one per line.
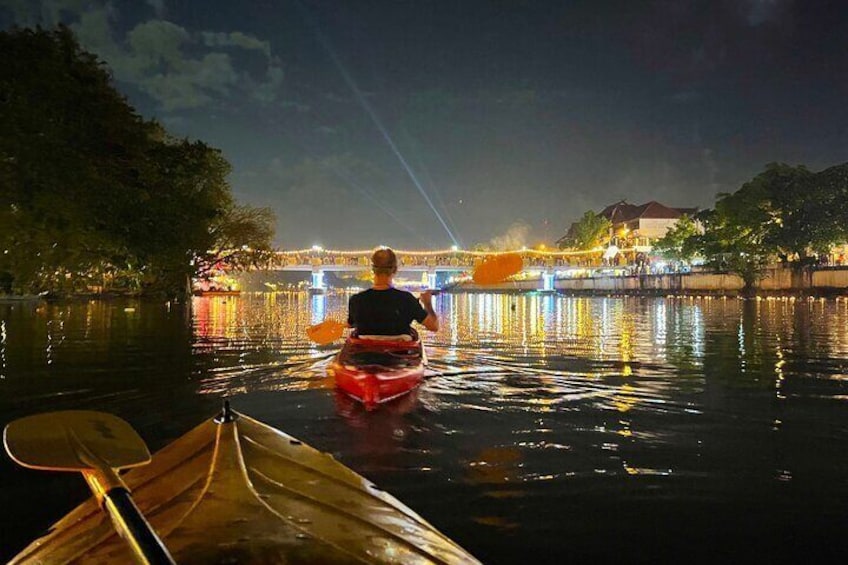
384, 312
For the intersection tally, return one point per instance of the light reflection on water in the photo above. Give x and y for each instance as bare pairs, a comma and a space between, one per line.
578, 426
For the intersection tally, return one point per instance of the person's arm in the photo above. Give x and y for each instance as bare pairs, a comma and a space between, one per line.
351, 312
431, 322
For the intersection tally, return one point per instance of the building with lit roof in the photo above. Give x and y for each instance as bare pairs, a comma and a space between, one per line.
637, 225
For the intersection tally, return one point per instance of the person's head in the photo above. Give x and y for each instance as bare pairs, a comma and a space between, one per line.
384, 262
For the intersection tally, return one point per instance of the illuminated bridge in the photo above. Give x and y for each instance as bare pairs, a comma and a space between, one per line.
546, 264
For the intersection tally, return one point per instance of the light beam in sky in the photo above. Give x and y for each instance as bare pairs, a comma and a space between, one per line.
373, 197
325, 43
345, 177
419, 162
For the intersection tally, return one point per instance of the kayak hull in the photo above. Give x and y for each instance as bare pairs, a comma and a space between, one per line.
243, 492
377, 371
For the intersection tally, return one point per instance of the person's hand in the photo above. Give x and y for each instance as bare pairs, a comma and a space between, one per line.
426, 298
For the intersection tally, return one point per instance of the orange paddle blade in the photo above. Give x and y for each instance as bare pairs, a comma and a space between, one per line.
326, 332
498, 268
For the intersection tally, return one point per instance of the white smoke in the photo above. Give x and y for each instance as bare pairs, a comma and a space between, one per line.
515, 237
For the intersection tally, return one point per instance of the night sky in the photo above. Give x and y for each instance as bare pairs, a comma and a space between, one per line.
510, 118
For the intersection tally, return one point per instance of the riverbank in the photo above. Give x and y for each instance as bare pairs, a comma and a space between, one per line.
88, 296
830, 281
15, 298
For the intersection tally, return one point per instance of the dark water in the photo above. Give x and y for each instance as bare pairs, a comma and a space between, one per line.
551, 429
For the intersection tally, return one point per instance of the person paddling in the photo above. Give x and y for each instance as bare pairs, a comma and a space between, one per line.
383, 310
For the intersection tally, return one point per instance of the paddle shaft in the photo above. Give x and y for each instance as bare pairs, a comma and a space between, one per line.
90, 443
135, 529
446, 288
127, 519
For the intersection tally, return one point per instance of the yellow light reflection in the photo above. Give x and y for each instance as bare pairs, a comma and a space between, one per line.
624, 399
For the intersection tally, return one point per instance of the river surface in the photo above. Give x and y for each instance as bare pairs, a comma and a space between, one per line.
550, 429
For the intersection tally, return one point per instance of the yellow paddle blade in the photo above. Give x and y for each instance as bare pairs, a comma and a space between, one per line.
498, 268
74, 440
326, 332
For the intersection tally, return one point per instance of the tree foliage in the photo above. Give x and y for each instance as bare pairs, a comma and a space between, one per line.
591, 231
677, 243
92, 195
808, 209
64, 130
241, 237
729, 246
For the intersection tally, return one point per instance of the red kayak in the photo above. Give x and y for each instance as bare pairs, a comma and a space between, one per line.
374, 370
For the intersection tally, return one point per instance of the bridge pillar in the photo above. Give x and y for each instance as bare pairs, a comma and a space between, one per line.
319, 301
318, 280
548, 278
431, 278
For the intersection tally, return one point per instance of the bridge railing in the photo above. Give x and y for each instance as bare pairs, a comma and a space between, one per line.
460, 259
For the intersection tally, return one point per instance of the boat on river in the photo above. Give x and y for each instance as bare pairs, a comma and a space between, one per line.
232, 490
378, 369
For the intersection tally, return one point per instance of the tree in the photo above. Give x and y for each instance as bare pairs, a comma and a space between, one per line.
67, 141
591, 231
727, 246
184, 195
91, 195
826, 212
242, 239
676, 244
784, 211
797, 212
788, 209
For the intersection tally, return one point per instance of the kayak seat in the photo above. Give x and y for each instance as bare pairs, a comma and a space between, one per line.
384, 358
374, 337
